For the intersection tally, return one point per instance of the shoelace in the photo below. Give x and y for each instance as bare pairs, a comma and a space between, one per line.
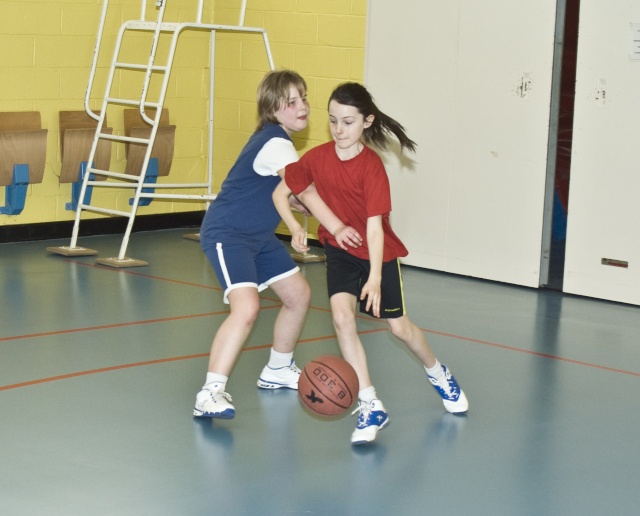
445, 384
364, 409
217, 395
295, 368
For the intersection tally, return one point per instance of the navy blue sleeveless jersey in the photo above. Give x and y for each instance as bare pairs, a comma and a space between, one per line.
243, 211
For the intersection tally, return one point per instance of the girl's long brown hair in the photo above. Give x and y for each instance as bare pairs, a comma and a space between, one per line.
356, 95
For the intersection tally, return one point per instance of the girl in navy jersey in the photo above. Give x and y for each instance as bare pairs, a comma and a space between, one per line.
362, 250
238, 238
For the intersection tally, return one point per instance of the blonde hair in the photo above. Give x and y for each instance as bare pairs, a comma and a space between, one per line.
273, 91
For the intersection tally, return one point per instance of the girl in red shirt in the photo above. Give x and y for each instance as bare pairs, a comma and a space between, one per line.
348, 177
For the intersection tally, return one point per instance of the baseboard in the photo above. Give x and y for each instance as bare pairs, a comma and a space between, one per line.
105, 226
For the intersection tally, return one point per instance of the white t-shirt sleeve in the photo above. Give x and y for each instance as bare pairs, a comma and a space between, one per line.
276, 154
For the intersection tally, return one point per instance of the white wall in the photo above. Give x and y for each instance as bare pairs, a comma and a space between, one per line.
604, 194
452, 72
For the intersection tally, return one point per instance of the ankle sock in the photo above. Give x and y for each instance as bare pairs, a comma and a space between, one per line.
368, 394
219, 379
436, 371
278, 360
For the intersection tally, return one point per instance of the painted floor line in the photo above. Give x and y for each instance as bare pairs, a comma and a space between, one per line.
535, 353
143, 275
148, 363
307, 341
108, 326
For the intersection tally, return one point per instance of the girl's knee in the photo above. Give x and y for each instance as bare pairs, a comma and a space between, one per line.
343, 311
295, 293
342, 319
401, 328
304, 295
249, 315
245, 312
298, 298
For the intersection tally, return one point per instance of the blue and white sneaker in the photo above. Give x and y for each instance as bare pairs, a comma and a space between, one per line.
281, 378
213, 402
372, 418
453, 398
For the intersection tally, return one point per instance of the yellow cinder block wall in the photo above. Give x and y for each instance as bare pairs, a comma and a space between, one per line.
46, 50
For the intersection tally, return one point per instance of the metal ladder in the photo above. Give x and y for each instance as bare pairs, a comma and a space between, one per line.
150, 111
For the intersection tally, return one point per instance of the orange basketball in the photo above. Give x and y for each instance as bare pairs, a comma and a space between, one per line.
328, 386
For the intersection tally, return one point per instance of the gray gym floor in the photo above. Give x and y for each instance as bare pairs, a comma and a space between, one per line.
99, 368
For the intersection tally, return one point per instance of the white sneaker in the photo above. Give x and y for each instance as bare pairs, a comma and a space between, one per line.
212, 402
281, 378
453, 398
372, 418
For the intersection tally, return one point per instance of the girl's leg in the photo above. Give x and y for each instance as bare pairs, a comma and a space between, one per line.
343, 311
414, 339
213, 400
372, 415
445, 384
281, 371
233, 332
295, 294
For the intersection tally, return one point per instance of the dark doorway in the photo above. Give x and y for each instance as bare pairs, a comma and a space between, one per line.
565, 138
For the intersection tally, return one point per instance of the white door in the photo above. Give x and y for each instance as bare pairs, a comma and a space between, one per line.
603, 247
471, 83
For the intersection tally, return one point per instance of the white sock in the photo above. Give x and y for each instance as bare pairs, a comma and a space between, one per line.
368, 394
219, 379
436, 371
278, 360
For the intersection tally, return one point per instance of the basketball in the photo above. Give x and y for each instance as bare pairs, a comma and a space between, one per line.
328, 386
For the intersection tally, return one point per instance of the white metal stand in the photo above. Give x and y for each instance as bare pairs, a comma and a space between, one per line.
308, 256
150, 111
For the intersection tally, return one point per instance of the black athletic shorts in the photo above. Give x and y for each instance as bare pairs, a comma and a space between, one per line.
346, 273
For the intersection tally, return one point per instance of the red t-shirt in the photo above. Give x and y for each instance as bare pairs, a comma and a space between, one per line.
355, 190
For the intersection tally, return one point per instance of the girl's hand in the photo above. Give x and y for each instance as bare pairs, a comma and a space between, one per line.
372, 292
299, 240
347, 235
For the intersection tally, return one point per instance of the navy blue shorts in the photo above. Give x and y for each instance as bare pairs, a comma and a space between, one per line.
346, 273
250, 265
